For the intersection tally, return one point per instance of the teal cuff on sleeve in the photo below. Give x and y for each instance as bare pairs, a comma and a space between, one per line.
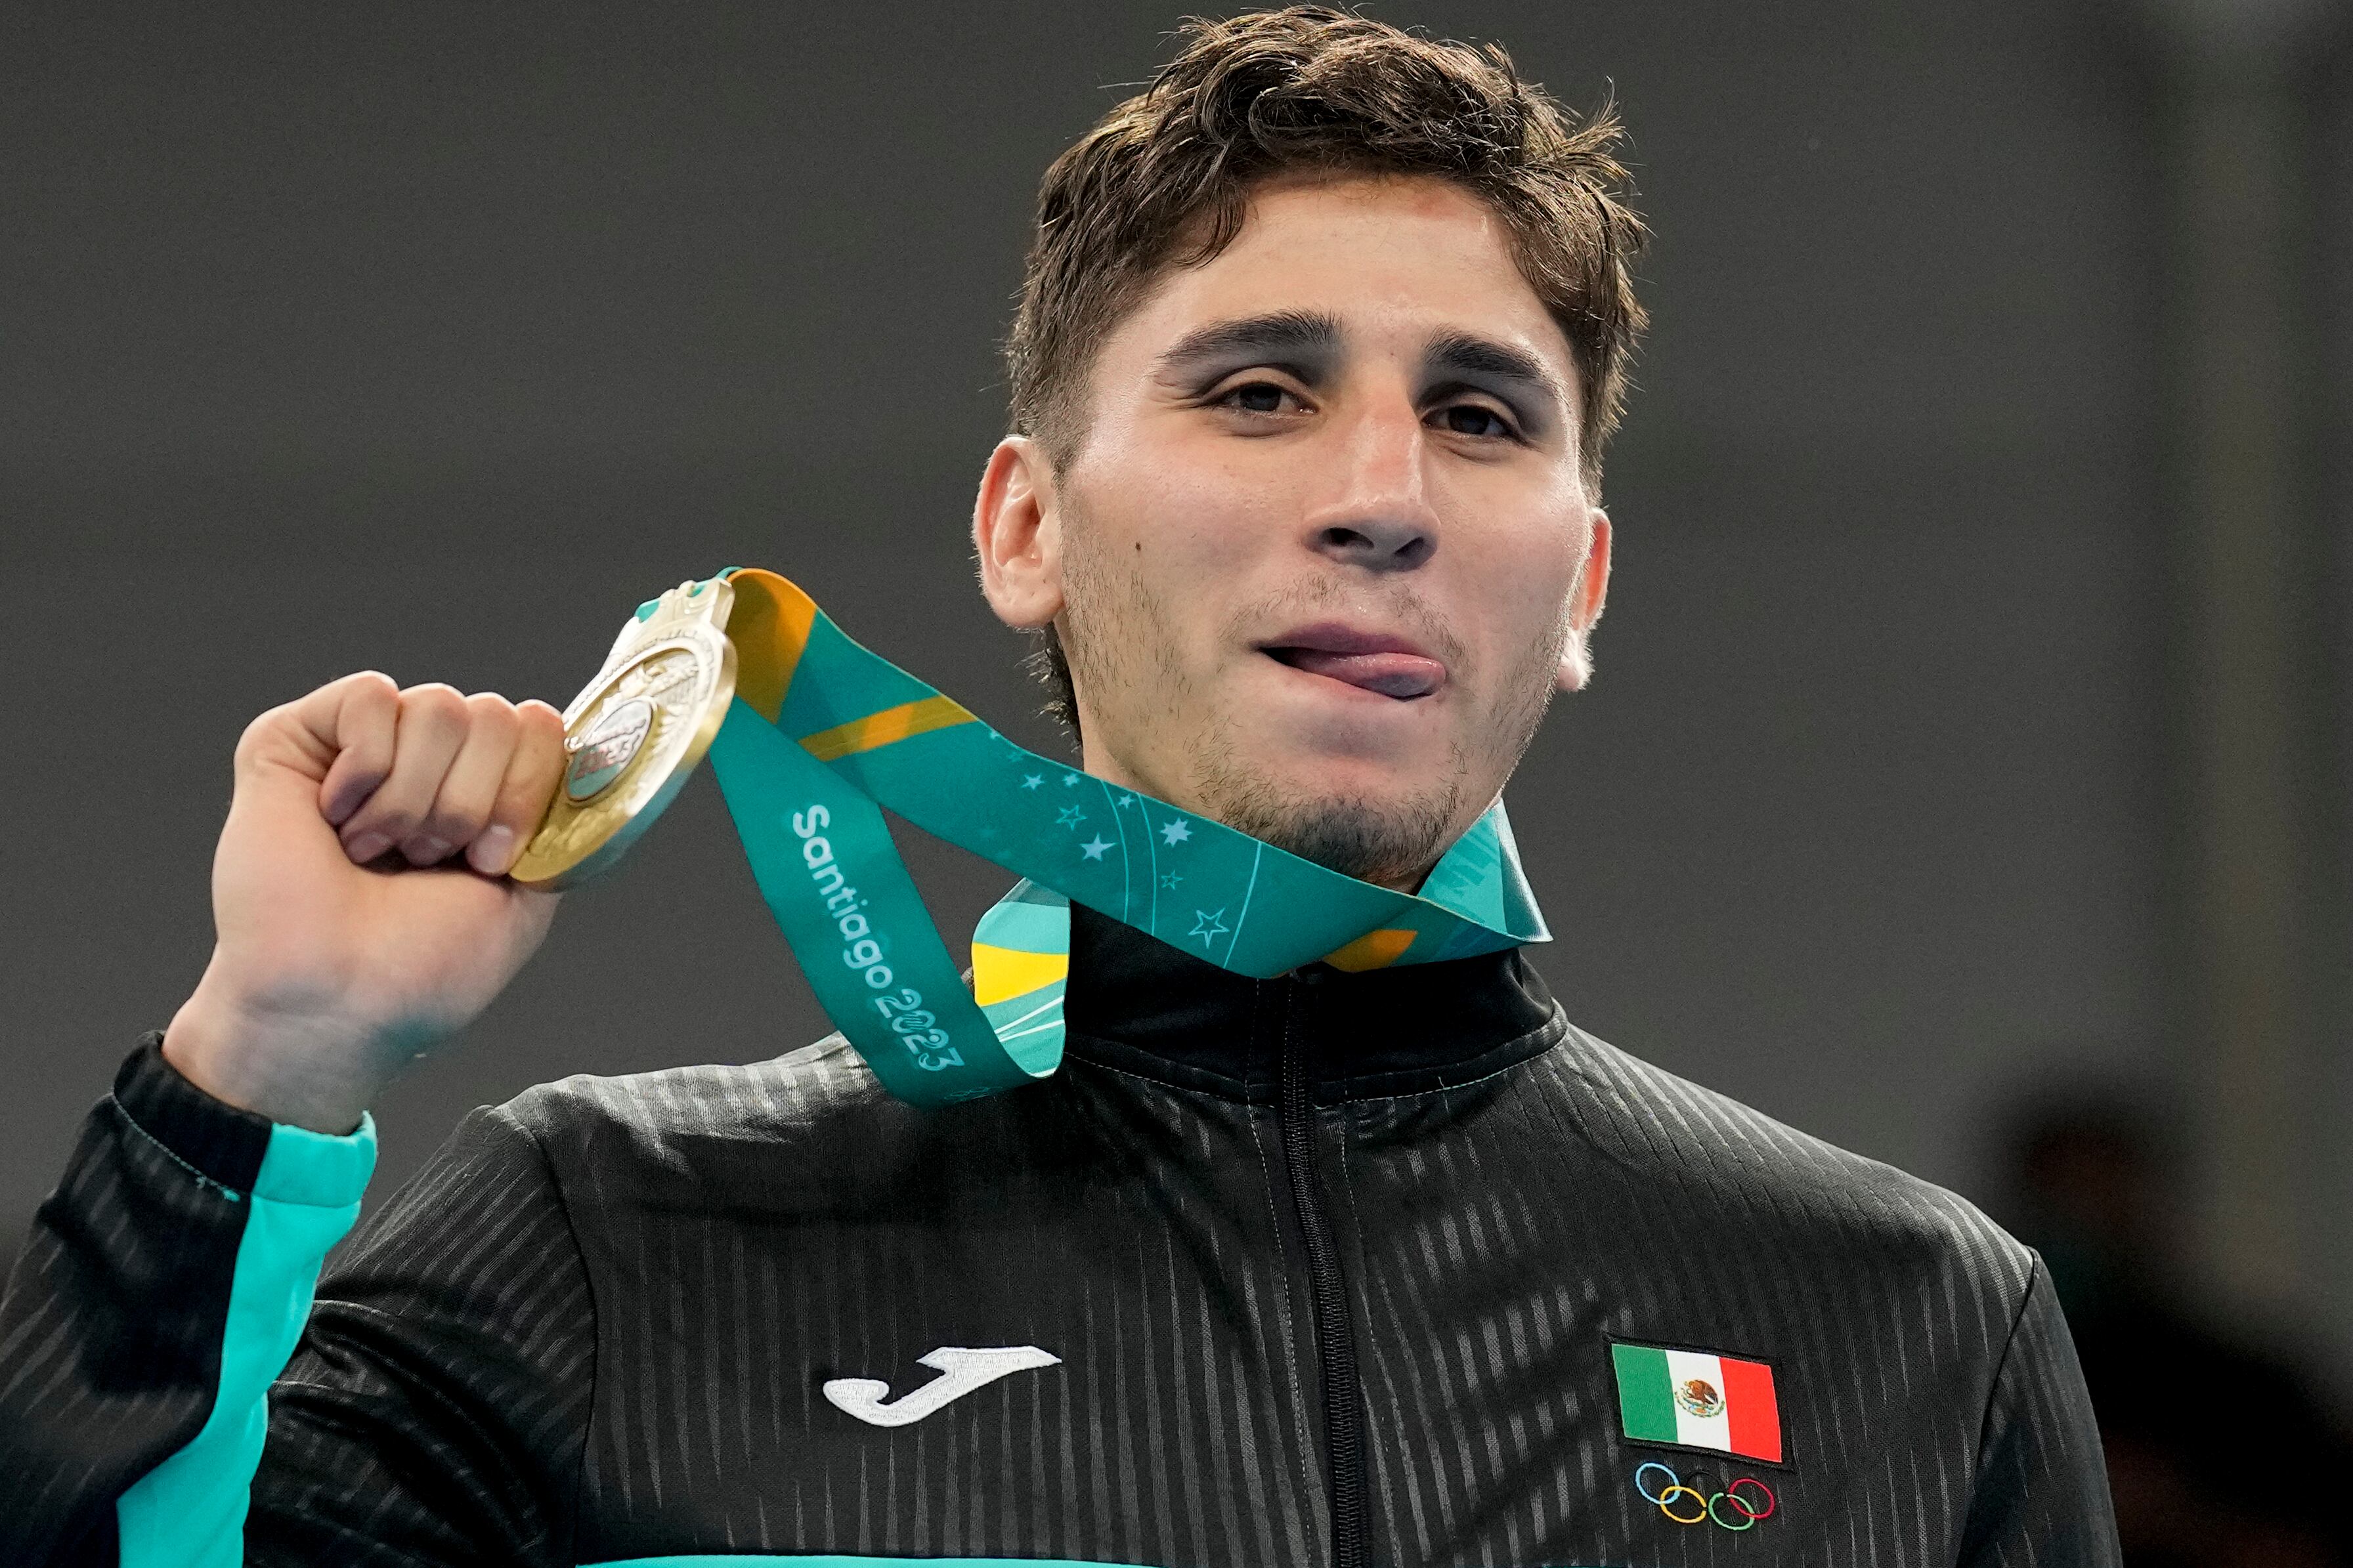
189, 1511
318, 1170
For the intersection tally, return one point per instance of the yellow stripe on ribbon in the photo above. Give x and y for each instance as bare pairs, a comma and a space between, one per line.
1374, 949
1001, 973
770, 627
886, 728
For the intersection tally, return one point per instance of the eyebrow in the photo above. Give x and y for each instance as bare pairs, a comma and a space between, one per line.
1305, 342
1485, 362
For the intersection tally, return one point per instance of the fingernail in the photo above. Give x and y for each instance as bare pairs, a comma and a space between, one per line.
491, 851
366, 847
427, 851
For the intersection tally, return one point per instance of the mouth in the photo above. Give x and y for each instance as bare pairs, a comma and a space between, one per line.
1376, 662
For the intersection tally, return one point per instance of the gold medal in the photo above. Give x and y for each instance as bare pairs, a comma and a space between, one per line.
634, 734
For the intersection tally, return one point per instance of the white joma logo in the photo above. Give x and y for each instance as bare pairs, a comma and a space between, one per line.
960, 1371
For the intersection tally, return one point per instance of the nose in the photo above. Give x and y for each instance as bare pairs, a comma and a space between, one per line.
1381, 520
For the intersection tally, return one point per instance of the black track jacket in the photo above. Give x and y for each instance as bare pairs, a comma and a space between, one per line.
1327, 1268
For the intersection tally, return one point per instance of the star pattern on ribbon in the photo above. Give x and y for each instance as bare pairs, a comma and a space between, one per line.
945, 774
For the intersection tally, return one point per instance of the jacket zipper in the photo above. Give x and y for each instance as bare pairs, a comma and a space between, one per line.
1335, 1343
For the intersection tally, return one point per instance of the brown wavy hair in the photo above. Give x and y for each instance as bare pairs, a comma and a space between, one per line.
1164, 180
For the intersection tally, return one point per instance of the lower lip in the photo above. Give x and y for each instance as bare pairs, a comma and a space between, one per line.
1406, 665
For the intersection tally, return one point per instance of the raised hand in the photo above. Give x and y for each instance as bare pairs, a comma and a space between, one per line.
359, 892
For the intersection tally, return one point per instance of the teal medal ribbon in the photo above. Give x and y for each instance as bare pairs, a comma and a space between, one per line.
822, 734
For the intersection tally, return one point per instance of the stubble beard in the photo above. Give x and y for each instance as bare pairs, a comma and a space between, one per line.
1123, 654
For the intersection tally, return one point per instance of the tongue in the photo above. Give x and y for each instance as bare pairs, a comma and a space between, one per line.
1390, 674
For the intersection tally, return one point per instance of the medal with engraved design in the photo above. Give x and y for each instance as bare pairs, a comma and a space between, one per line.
634, 734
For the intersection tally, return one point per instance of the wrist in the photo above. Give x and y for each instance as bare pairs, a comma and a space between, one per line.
302, 1072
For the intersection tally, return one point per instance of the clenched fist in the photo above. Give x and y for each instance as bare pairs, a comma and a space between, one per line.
359, 895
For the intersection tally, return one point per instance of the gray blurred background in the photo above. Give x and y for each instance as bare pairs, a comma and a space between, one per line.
1967, 766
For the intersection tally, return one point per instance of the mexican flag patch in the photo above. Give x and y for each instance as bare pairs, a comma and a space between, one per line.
1697, 1399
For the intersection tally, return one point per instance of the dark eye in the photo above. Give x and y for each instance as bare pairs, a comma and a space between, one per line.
1474, 419
1258, 397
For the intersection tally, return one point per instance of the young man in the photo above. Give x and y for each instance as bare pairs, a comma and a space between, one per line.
1322, 338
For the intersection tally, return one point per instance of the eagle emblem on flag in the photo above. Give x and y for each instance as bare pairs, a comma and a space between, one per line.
1699, 1397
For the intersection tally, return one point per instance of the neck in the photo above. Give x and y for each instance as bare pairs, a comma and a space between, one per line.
1141, 1005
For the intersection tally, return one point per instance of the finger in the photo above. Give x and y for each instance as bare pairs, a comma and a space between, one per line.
533, 770
431, 727
471, 786
339, 737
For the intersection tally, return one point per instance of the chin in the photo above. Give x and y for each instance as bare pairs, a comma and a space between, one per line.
1377, 819
1358, 783
1375, 762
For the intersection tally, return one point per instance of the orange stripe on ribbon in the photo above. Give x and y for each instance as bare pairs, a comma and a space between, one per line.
770, 627
886, 728
1374, 949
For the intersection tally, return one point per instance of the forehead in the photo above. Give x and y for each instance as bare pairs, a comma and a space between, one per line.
1395, 259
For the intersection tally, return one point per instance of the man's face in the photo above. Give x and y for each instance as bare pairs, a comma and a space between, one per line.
1324, 550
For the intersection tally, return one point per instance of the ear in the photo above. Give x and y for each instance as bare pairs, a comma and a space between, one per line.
1585, 596
1017, 537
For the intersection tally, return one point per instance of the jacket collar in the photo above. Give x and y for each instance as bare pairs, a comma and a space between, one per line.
1138, 1004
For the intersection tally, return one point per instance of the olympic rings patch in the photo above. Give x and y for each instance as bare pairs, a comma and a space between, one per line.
1688, 1505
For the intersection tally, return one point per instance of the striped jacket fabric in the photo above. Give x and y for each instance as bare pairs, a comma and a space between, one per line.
1397, 1268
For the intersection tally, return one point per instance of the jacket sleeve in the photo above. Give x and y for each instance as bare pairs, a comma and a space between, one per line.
430, 1414
160, 1290
2041, 1491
